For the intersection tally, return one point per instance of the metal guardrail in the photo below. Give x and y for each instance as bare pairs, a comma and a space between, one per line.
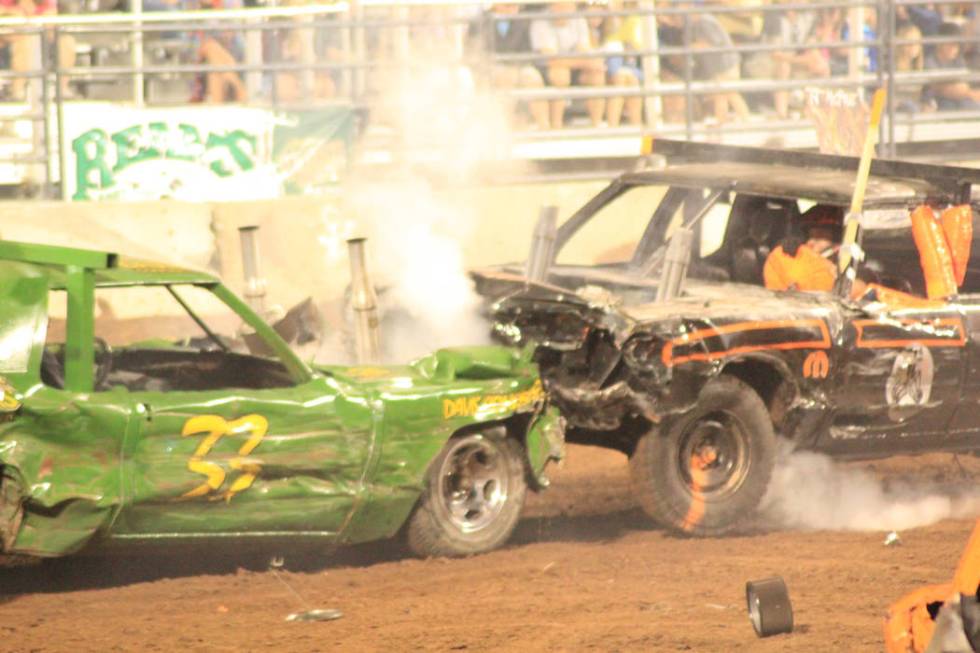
373, 38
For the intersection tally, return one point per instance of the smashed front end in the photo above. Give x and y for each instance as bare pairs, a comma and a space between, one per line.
604, 374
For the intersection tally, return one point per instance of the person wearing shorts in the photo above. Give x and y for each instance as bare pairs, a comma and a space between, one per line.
569, 36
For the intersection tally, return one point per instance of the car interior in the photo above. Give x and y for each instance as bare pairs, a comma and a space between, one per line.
162, 354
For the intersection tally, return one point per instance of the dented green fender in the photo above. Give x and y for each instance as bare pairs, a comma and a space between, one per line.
478, 387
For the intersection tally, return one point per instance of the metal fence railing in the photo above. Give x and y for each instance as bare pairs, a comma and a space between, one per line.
352, 52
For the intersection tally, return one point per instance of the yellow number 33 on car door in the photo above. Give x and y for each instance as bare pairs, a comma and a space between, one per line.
213, 428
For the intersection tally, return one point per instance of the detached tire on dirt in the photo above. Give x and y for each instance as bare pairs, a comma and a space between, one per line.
705, 471
473, 496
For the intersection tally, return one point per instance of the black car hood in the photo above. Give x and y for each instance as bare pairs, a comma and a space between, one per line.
631, 300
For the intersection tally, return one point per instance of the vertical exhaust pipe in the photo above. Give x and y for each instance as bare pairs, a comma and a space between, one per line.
675, 264
255, 285
543, 245
365, 304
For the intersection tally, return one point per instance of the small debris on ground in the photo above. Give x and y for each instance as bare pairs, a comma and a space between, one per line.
315, 615
892, 539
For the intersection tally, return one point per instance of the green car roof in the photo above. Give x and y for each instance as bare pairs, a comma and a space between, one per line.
80, 271
110, 269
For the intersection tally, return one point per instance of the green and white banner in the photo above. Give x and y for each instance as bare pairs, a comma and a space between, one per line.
201, 153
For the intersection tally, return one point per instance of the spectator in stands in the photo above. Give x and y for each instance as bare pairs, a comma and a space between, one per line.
221, 48
742, 27
707, 32
308, 46
568, 36
670, 34
297, 48
830, 26
791, 29
496, 34
971, 30
700, 30
21, 45
950, 95
908, 59
619, 34
926, 17
869, 33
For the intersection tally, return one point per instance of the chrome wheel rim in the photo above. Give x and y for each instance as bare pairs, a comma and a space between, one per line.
473, 484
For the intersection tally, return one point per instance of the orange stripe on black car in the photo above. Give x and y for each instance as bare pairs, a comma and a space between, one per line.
744, 337
879, 334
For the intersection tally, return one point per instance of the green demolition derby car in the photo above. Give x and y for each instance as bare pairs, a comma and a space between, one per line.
171, 440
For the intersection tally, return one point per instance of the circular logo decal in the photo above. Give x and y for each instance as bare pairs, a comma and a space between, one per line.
910, 383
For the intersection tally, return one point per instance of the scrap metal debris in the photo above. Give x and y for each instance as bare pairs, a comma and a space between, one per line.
892, 539
309, 614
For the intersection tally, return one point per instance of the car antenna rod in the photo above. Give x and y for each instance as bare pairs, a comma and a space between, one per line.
197, 320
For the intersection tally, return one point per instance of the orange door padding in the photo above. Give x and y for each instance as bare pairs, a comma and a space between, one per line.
934, 254
899, 299
909, 625
807, 270
957, 224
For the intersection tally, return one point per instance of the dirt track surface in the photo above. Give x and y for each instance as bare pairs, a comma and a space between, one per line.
584, 572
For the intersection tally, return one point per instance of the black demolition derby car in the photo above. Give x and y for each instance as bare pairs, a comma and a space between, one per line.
672, 350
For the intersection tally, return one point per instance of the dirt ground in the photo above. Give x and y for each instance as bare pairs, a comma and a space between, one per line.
584, 572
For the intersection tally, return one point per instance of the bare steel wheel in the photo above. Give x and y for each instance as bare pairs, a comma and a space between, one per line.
705, 471
473, 496
714, 455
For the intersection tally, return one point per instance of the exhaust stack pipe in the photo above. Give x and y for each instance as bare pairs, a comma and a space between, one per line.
675, 264
255, 285
543, 244
365, 304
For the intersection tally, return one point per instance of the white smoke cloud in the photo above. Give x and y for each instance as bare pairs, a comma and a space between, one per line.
811, 491
427, 300
441, 129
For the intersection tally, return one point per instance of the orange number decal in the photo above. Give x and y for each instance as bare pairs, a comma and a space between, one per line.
816, 365
215, 427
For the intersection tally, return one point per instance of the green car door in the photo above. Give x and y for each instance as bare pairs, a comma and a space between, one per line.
257, 461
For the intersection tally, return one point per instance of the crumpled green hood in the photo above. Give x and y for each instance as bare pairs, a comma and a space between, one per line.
442, 367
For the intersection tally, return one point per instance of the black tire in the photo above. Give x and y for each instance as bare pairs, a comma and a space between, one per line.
473, 496
704, 472
770, 609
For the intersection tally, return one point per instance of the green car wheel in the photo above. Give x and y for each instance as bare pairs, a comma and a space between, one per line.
473, 496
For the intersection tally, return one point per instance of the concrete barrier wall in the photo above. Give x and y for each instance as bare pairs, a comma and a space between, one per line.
173, 231
302, 239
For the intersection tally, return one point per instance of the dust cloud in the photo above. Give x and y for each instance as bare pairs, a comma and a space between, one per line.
441, 130
811, 491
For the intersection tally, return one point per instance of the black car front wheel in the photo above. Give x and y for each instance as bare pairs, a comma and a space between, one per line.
706, 470
473, 497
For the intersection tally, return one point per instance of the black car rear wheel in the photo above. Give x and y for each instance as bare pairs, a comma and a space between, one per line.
473, 497
705, 471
